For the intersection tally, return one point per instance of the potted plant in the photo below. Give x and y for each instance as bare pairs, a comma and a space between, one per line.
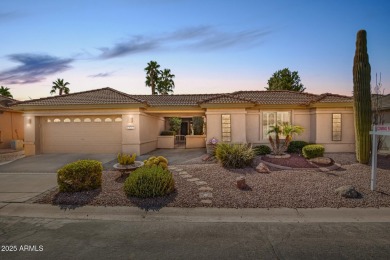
127, 163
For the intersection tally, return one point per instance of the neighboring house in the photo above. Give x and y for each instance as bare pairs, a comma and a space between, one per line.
109, 121
384, 109
11, 123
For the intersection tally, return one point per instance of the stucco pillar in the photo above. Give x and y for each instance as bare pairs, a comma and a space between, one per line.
30, 125
131, 133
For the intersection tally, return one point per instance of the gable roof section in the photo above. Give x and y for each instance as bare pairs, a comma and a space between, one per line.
6, 102
91, 97
277, 97
226, 99
332, 98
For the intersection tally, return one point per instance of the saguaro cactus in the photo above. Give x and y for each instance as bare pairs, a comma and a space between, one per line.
362, 98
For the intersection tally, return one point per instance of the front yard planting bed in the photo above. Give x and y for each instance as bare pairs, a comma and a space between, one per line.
281, 188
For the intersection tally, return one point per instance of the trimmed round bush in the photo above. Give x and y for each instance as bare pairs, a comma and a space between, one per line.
262, 150
159, 160
149, 182
296, 146
313, 150
80, 175
234, 155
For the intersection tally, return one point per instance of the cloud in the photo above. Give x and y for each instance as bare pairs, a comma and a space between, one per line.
136, 45
4, 16
101, 75
34, 68
201, 38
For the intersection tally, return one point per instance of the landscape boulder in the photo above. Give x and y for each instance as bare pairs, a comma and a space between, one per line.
262, 168
348, 191
241, 184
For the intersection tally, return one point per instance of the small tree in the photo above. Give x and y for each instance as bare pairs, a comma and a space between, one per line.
5, 92
285, 80
198, 123
175, 124
285, 130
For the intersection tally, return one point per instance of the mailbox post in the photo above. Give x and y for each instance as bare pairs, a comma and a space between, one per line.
376, 130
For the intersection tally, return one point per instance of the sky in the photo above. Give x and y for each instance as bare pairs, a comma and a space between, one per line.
216, 46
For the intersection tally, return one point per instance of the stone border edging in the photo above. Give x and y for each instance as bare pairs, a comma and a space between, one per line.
333, 167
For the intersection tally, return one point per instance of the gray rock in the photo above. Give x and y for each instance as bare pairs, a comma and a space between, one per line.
321, 160
348, 191
262, 168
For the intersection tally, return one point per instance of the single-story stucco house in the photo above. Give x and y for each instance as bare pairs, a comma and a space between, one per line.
109, 121
11, 124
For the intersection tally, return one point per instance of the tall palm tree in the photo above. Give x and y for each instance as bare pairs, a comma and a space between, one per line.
152, 75
60, 86
165, 83
5, 92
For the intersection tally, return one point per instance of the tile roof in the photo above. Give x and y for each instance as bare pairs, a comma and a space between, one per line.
97, 96
174, 100
6, 102
112, 96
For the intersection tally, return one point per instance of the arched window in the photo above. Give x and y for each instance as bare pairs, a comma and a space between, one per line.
77, 120
66, 120
108, 119
87, 120
97, 120
118, 119
48, 120
57, 120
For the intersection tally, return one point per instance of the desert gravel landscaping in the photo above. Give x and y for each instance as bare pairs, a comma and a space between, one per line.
280, 188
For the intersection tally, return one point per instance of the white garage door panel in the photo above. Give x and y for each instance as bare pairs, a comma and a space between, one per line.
82, 137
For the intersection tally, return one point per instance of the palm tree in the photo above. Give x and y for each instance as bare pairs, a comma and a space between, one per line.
152, 75
5, 92
60, 86
285, 130
165, 83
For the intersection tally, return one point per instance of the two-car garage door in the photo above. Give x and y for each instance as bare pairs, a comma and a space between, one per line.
89, 134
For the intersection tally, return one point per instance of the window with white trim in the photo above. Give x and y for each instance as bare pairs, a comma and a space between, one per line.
336, 127
270, 118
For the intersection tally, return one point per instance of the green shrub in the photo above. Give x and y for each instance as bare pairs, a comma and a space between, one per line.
157, 161
80, 175
262, 150
313, 151
167, 133
175, 124
296, 146
234, 155
148, 182
126, 159
197, 124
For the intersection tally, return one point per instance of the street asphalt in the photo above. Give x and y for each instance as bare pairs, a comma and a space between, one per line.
52, 232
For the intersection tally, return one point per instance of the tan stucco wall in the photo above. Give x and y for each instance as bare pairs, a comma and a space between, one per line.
9, 122
323, 128
166, 142
238, 121
150, 129
195, 141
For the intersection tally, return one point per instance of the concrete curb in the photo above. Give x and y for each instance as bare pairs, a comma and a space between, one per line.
133, 214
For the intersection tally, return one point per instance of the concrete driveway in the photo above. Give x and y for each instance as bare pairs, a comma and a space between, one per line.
28, 177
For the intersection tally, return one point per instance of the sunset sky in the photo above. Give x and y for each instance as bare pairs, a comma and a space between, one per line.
211, 46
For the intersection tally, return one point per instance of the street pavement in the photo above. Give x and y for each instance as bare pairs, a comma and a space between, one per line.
201, 233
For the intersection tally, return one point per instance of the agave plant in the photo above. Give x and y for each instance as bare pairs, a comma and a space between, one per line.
279, 145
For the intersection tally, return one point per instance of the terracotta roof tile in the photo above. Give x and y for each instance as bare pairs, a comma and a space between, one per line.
332, 98
174, 100
112, 96
97, 96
